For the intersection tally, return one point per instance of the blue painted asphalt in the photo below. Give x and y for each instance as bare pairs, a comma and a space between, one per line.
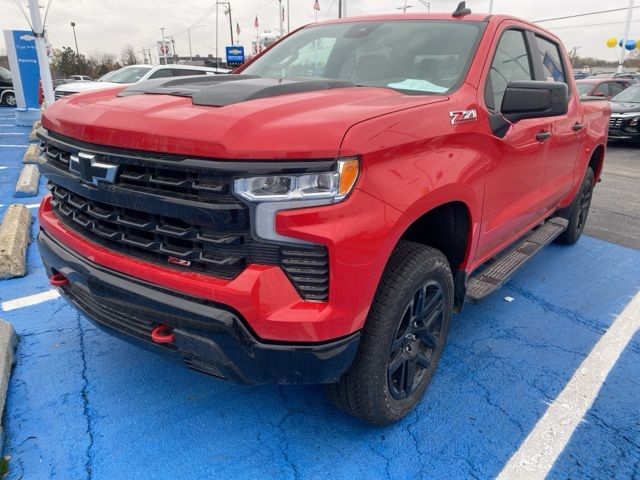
84, 405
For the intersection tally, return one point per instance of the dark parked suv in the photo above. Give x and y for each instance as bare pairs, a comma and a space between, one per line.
7, 95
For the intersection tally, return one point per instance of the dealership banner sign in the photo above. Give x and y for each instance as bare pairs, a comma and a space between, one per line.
23, 63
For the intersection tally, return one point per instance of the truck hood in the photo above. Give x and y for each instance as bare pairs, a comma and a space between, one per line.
623, 107
299, 122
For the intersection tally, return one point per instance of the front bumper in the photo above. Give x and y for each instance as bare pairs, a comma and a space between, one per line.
209, 337
624, 135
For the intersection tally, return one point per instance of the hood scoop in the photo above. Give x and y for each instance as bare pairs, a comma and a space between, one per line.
223, 90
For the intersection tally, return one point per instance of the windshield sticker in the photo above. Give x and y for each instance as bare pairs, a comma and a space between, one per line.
418, 85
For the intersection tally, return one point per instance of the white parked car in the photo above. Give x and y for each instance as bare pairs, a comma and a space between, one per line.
135, 74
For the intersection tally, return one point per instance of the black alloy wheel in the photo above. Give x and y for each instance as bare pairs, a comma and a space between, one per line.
417, 337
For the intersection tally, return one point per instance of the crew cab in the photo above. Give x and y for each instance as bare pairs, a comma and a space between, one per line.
319, 216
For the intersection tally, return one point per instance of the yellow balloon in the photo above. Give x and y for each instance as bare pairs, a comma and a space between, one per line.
638, 44
612, 42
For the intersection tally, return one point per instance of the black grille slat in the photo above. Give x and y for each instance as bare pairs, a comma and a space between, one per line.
308, 270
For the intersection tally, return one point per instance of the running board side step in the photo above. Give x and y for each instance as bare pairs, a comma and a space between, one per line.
499, 272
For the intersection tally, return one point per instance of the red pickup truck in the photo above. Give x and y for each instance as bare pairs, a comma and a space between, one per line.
318, 216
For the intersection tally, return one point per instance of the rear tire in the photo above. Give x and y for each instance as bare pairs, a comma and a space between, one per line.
579, 211
402, 339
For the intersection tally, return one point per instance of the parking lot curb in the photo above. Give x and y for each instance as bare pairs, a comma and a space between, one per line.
14, 239
8, 344
32, 136
28, 182
32, 153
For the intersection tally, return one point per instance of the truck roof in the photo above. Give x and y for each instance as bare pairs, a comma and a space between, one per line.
472, 17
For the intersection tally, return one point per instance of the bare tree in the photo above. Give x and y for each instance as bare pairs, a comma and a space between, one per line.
128, 55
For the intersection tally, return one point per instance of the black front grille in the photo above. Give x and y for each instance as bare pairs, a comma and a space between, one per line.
149, 177
170, 241
615, 123
175, 212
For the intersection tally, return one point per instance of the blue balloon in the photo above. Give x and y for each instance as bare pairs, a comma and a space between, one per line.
630, 45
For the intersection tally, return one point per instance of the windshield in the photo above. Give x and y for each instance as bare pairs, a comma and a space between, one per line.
630, 95
125, 75
584, 88
421, 56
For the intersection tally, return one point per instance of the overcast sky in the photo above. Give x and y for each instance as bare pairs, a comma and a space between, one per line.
109, 24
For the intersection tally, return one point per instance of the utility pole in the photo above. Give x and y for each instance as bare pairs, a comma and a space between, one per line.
627, 27
288, 18
173, 48
164, 47
405, 6
426, 4
490, 6
280, 18
41, 49
228, 12
339, 8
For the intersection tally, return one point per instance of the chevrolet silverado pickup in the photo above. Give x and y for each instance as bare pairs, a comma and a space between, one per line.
317, 216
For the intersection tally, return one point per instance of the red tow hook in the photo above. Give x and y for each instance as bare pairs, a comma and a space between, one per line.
58, 280
163, 334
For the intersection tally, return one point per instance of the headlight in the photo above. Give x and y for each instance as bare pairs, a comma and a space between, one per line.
330, 186
270, 194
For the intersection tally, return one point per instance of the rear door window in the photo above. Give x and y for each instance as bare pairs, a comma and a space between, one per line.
616, 87
551, 60
162, 73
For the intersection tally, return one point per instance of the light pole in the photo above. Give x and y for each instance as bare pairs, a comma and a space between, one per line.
627, 27
164, 47
490, 6
280, 18
189, 35
41, 49
75, 39
288, 18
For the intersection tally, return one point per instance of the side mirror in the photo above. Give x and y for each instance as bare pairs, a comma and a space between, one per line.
534, 99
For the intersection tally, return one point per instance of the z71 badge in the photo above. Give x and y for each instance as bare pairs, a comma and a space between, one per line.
463, 116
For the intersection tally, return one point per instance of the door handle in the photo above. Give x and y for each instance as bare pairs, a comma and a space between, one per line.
577, 127
542, 136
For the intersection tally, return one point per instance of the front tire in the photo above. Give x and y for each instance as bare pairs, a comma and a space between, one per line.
579, 211
402, 339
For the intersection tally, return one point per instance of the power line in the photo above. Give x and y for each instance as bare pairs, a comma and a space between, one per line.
591, 25
584, 14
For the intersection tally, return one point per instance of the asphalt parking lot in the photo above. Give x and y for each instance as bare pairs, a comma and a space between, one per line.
83, 405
